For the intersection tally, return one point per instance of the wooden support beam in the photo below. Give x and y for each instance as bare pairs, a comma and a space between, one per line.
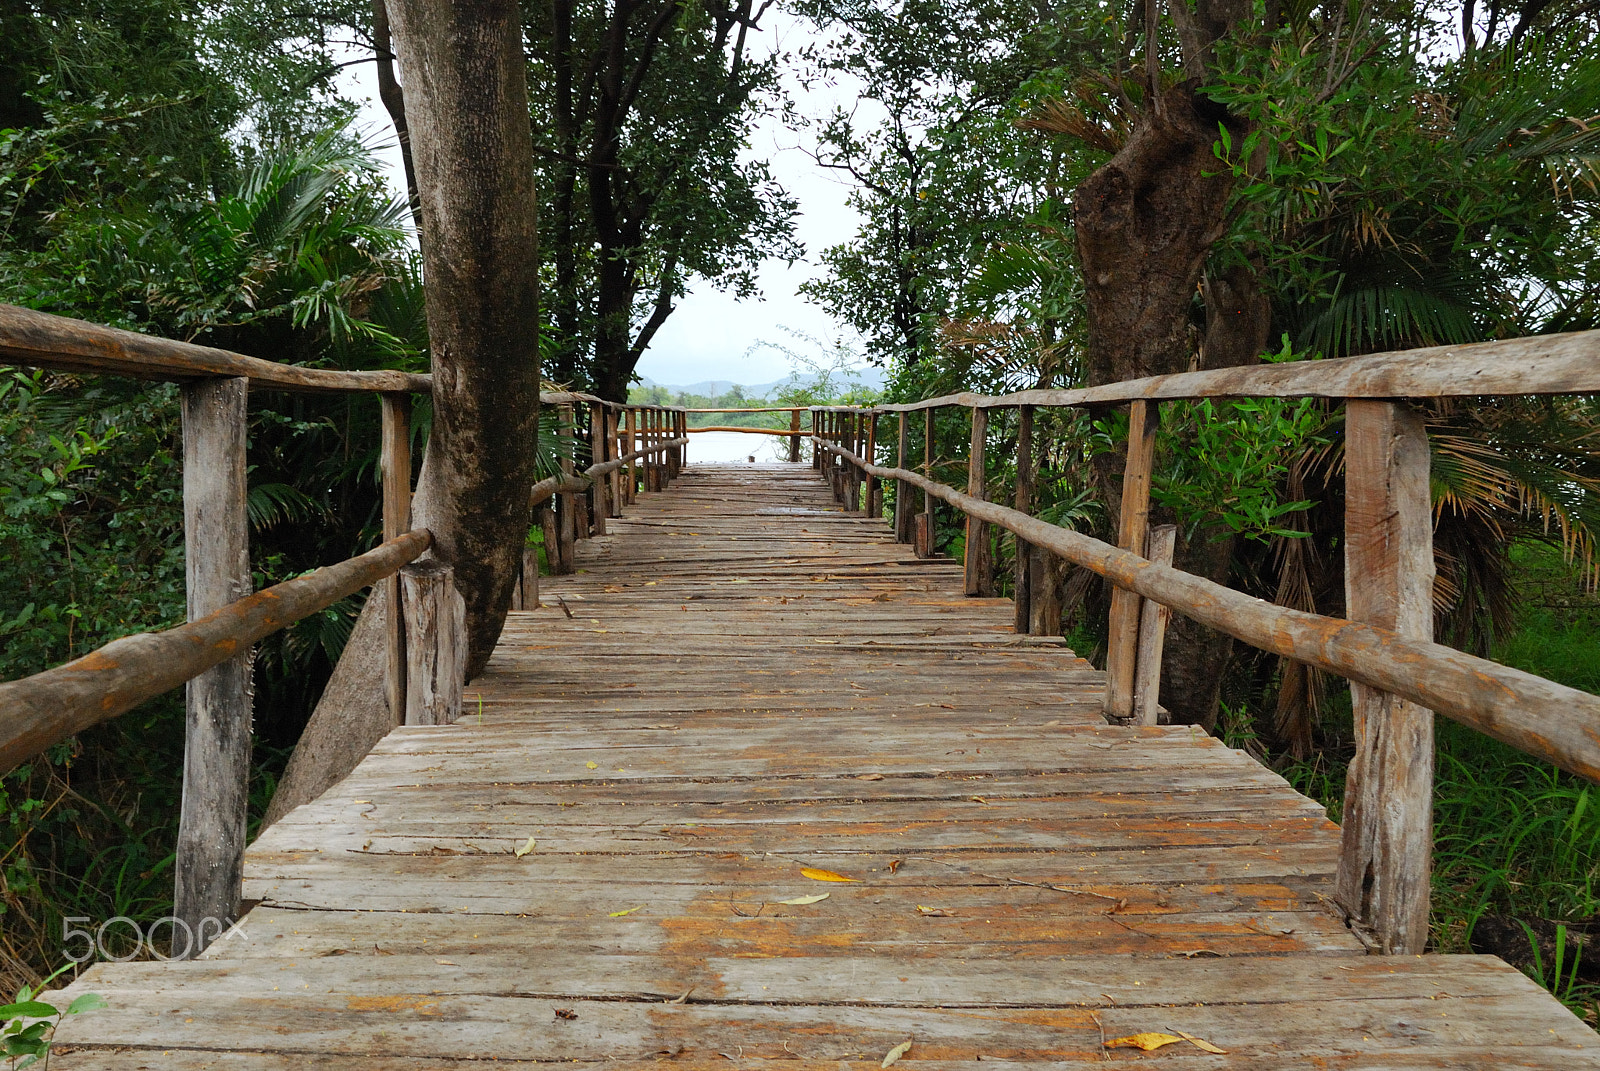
436, 642
977, 567
1153, 618
395, 462
794, 437
1387, 846
874, 505
566, 511
1122, 639
616, 449
1021, 571
902, 490
922, 527
216, 755
630, 485
598, 441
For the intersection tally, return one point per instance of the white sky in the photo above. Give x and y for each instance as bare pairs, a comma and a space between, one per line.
710, 335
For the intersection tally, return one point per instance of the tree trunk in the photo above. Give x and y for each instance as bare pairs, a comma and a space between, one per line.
394, 102
467, 106
1146, 222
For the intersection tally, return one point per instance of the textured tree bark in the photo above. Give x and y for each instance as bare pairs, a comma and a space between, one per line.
1146, 221
467, 105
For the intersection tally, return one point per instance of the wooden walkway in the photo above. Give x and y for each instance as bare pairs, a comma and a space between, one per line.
599, 862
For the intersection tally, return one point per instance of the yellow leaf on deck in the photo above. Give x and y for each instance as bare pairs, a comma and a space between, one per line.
801, 901
619, 914
824, 875
1143, 1041
592, 765
1202, 1043
895, 1053
526, 848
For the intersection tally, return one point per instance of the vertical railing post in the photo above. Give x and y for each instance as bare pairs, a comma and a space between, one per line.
632, 491
395, 463
597, 455
1386, 852
1021, 596
902, 490
794, 437
1122, 640
436, 642
874, 485
923, 527
216, 754
566, 513
614, 450
977, 566
1153, 618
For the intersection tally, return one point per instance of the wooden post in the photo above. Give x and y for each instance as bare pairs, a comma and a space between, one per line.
1386, 852
902, 490
632, 494
794, 437
1122, 640
566, 514
216, 753
976, 568
614, 450
597, 454
922, 531
395, 461
1153, 618
874, 488
526, 594
436, 644
1021, 573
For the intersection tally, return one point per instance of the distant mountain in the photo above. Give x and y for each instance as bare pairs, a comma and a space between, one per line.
868, 377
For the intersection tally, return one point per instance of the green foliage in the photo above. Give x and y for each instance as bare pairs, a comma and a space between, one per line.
1223, 465
28, 1023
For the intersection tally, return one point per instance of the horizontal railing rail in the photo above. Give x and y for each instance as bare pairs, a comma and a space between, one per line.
57, 703
1385, 647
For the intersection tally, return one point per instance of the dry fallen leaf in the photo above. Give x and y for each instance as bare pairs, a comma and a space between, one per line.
935, 912
592, 765
1202, 1043
1143, 1041
870, 777
894, 865
619, 914
824, 875
895, 1053
526, 848
566, 1013
801, 901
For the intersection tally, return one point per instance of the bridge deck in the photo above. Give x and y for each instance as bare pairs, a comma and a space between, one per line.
751, 683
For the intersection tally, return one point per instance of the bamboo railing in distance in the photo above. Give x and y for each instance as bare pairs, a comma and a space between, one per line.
1399, 676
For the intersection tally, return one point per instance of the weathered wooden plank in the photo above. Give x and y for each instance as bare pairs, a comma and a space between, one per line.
1122, 638
395, 462
1153, 618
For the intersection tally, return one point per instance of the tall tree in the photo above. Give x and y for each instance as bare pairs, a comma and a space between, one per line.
467, 108
643, 167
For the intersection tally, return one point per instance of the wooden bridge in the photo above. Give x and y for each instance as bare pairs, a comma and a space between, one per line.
606, 858
758, 777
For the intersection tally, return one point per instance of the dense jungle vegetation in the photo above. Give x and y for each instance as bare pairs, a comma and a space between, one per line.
1349, 177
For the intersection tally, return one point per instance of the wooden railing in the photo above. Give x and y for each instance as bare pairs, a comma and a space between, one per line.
630, 446
1399, 676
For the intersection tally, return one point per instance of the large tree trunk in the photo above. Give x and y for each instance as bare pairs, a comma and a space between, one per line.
1146, 222
467, 105
467, 108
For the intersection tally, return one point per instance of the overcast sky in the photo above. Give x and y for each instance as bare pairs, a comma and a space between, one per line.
711, 335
